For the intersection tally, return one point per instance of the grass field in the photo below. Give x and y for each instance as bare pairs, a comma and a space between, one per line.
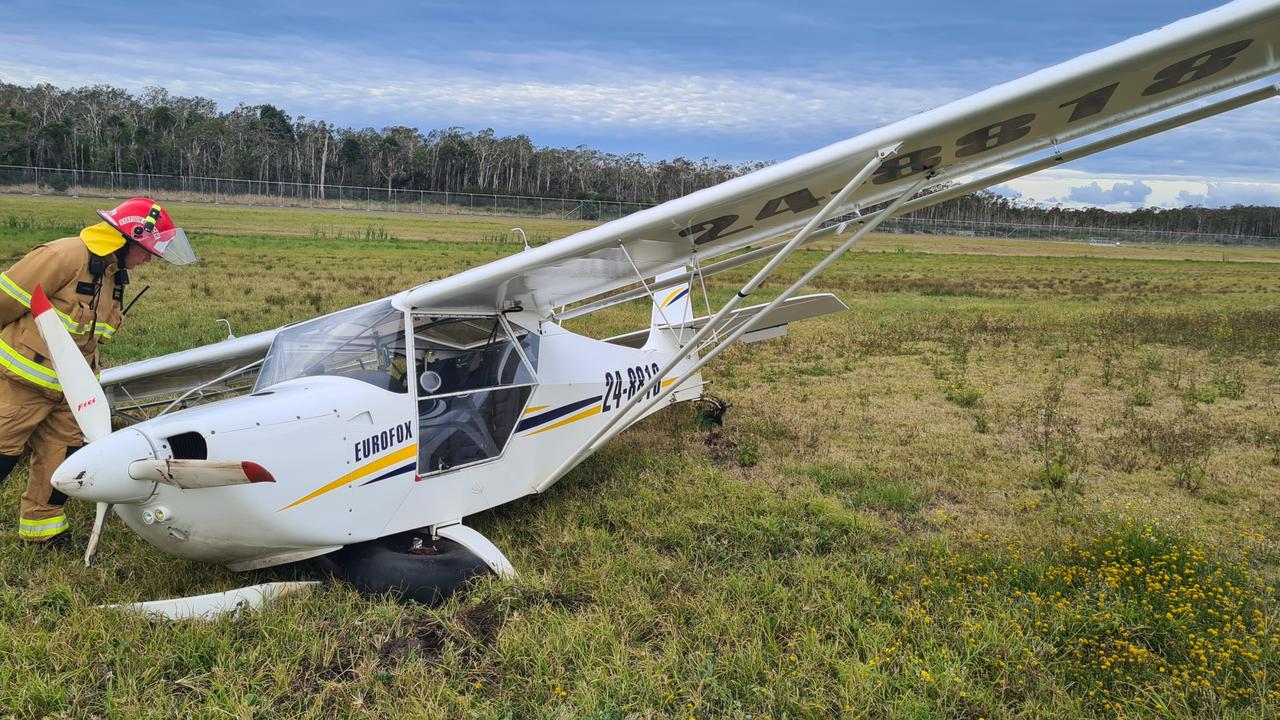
1014, 480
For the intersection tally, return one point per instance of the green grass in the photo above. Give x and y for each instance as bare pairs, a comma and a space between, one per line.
870, 534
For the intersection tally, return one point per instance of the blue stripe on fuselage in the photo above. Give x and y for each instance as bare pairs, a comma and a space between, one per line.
548, 416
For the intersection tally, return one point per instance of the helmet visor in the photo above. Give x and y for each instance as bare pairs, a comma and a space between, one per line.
171, 245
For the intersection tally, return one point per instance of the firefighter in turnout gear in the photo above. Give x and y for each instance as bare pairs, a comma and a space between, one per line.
85, 278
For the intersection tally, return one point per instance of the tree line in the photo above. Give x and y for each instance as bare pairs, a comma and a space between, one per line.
104, 128
109, 129
989, 207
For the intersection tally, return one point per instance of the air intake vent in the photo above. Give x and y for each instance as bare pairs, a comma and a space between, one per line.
189, 446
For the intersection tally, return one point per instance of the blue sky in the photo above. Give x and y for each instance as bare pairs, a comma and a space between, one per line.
735, 82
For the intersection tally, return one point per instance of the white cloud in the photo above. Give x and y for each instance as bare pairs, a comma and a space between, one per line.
530, 92
1065, 185
1134, 193
1189, 198
1226, 194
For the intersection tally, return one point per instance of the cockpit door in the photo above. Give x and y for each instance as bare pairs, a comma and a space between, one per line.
473, 376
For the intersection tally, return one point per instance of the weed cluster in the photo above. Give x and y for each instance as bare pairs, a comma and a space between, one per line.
1054, 435
1243, 331
1137, 618
378, 233
503, 238
864, 490
1109, 356
31, 222
962, 393
1182, 444
1229, 382
1142, 395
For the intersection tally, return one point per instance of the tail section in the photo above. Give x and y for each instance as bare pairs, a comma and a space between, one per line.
671, 306
670, 329
672, 312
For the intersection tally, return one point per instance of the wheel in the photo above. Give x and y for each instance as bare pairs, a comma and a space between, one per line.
428, 571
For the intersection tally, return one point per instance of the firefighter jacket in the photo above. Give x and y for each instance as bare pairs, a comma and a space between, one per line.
87, 304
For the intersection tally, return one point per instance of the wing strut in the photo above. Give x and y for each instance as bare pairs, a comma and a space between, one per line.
836, 254
982, 183
618, 423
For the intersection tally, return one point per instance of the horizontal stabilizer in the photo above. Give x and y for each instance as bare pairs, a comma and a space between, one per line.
793, 310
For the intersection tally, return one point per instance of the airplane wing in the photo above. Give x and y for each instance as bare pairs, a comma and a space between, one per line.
148, 383
1189, 59
1223, 48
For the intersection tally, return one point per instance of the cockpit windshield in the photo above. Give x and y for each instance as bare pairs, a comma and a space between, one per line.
364, 343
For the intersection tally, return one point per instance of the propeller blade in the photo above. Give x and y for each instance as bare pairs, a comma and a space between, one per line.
79, 385
195, 474
100, 517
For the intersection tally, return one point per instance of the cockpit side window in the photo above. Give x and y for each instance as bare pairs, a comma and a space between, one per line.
473, 380
470, 354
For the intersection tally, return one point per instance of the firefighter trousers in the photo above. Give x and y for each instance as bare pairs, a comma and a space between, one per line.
30, 418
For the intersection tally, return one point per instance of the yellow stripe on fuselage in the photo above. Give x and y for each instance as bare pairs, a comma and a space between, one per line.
580, 416
535, 409
395, 457
593, 410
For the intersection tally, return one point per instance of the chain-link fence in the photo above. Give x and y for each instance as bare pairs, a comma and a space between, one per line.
82, 183
89, 183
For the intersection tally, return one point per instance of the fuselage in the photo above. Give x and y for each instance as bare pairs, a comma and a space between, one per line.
420, 434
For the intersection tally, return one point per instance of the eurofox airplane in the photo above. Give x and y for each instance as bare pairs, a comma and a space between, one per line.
368, 435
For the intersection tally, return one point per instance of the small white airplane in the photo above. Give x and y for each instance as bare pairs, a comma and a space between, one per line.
368, 435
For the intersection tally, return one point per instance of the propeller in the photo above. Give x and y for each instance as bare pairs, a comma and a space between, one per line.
79, 385
81, 389
92, 413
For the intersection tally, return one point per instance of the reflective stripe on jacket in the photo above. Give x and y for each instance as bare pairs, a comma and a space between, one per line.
62, 269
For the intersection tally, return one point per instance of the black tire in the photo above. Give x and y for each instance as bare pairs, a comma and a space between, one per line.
385, 566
